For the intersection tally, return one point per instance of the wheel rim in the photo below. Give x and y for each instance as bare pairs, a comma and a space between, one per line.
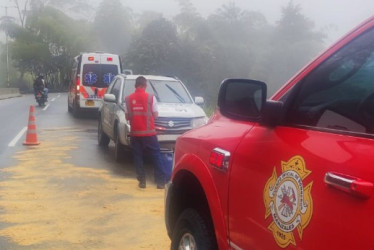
187, 242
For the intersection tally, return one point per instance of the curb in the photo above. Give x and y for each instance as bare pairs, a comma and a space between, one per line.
7, 96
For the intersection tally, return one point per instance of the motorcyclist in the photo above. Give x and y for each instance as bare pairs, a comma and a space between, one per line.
39, 85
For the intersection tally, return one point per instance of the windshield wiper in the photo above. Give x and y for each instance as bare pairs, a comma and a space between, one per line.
154, 91
180, 98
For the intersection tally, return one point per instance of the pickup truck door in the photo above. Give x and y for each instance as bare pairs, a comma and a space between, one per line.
308, 183
108, 108
116, 91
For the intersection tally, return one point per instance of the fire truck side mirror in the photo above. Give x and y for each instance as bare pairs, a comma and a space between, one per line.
242, 99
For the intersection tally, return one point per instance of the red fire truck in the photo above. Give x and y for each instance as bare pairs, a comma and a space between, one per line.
291, 172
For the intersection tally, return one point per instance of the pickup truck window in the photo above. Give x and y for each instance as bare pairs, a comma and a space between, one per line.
116, 88
164, 91
339, 94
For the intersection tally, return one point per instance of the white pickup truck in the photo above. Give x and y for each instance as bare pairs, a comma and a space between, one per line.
178, 111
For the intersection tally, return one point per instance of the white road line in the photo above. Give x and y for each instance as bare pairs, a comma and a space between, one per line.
45, 108
53, 99
18, 136
58, 95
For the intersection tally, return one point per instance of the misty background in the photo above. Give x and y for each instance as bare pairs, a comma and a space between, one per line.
200, 42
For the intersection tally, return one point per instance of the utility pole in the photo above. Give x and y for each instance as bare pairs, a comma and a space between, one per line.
7, 49
6, 20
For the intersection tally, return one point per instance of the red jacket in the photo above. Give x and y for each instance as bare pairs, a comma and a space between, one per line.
139, 108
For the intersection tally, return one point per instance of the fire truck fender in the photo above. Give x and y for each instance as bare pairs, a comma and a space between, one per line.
193, 164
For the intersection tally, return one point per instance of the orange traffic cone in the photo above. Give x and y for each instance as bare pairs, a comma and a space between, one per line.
31, 138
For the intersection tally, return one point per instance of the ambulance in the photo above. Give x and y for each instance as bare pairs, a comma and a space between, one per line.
91, 75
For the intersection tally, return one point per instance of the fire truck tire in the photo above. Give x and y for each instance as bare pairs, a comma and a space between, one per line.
102, 138
192, 232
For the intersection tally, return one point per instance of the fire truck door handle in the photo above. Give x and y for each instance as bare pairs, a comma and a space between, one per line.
349, 184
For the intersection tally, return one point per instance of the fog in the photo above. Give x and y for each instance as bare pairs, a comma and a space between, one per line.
200, 42
334, 17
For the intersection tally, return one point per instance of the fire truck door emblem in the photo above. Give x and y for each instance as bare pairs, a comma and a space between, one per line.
289, 201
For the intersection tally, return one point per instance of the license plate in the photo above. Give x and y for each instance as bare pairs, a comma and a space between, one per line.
90, 103
167, 137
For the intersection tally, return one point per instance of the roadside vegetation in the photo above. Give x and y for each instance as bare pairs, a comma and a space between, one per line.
201, 51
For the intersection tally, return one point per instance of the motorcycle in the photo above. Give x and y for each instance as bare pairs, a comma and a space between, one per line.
40, 97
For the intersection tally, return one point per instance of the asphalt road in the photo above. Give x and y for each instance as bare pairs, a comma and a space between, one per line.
67, 192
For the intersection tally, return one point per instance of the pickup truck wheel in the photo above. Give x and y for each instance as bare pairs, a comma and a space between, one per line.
192, 232
102, 138
118, 149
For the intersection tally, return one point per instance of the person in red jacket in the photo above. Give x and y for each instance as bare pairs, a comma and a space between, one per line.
141, 110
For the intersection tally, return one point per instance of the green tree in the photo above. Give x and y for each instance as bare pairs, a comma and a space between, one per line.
294, 42
113, 26
189, 22
46, 47
143, 20
233, 46
156, 50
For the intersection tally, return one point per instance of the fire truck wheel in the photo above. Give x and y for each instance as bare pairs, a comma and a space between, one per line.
192, 232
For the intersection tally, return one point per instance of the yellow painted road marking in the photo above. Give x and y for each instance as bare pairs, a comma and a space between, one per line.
48, 203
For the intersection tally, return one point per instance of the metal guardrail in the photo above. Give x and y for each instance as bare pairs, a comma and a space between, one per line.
9, 93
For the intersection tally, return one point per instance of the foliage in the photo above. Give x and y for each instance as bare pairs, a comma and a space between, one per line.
114, 33
201, 51
293, 41
46, 47
156, 51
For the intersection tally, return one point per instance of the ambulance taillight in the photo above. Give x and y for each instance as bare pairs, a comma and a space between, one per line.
109, 59
78, 82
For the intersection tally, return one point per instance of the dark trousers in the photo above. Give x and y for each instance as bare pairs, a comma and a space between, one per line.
142, 144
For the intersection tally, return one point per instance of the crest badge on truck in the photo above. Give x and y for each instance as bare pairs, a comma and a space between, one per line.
288, 201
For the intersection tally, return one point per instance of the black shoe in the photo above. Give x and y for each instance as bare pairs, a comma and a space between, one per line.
142, 184
160, 186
